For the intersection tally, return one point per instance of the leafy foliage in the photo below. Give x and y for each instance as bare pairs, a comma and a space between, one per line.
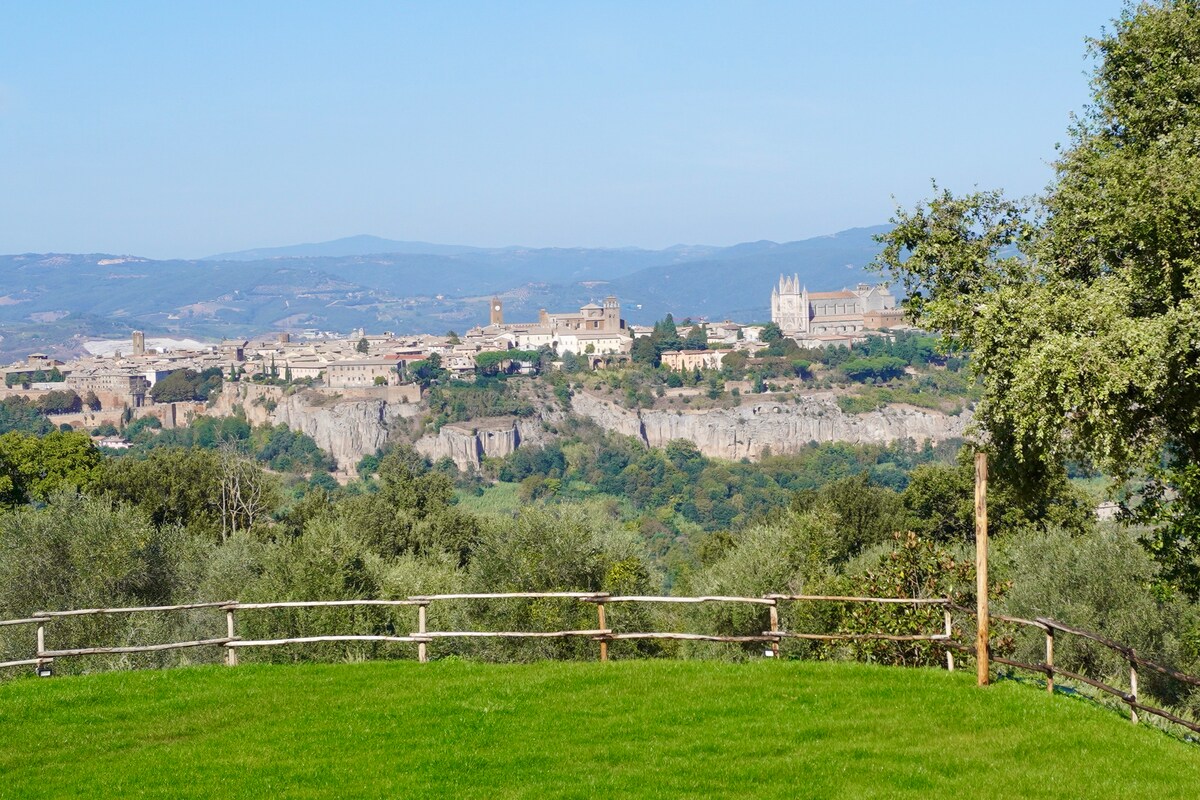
187, 385
59, 402
490, 362
916, 568
1082, 312
427, 371
459, 402
32, 468
18, 414
880, 368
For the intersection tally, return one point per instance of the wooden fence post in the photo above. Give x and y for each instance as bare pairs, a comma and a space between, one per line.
1050, 660
949, 635
603, 626
422, 653
775, 628
1133, 689
41, 641
231, 656
981, 570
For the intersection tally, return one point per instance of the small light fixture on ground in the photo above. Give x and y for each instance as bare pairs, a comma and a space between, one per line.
44, 671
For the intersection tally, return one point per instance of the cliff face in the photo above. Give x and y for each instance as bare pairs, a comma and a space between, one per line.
352, 427
468, 443
748, 430
348, 430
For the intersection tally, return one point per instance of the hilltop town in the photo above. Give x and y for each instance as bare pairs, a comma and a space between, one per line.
173, 384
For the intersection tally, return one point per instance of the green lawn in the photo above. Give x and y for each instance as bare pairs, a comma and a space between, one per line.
623, 729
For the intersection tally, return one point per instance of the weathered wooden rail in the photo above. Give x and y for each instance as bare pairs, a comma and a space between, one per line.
1051, 627
422, 636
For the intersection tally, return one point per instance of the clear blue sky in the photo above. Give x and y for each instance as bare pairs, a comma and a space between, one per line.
180, 129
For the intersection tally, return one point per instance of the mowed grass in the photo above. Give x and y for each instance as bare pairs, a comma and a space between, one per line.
577, 730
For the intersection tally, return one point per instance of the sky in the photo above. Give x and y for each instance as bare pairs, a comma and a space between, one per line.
182, 129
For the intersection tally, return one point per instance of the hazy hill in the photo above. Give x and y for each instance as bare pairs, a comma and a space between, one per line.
362, 245
52, 302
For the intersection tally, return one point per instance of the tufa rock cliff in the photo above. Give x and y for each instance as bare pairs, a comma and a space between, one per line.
346, 428
759, 424
468, 443
350, 427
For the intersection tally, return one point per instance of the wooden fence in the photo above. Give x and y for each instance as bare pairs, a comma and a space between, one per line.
423, 637
1047, 668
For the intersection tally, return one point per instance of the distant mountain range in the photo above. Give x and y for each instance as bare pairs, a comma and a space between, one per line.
362, 245
53, 302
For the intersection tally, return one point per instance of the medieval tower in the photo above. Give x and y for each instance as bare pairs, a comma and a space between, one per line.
497, 313
612, 314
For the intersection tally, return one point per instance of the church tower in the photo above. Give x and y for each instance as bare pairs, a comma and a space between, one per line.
612, 314
497, 315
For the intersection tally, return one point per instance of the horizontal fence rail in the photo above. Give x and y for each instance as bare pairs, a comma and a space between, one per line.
422, 636
1051, 628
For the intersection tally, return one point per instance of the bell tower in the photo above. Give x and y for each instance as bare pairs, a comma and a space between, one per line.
497, 312
612, 314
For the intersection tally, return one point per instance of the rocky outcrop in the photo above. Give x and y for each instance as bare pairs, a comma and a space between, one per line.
757, 425
347, 430
352, 427
255, 400
468, 443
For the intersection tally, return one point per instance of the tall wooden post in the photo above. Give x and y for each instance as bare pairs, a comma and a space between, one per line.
981, 570
949, 635
1133, 691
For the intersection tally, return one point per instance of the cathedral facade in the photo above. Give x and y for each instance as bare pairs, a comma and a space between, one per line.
801, 313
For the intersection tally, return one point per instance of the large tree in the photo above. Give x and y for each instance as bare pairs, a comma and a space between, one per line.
1081, 308
32, 468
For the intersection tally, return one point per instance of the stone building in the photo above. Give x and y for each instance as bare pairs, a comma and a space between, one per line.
595, 329
359, 372
591, 318
801, 313
114, 388
681, 360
